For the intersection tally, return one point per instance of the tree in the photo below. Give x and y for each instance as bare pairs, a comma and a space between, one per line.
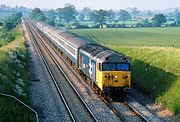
59, 13
124, 15
99, 17
19, 14
51, 15
42, 18
8, 25
159, 19
110, 15
87, 12
36, 13
50, 22
81, 16
1, 24
177, 16
135, 12
68, 13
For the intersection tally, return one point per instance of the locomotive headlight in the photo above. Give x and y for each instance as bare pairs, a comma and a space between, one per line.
107, 76
125, 76
116, 76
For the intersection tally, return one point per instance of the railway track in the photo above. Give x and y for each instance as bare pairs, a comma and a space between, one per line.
134, 113
77, 108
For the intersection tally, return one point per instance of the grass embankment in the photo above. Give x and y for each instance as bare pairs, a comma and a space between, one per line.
13, 79
155, 70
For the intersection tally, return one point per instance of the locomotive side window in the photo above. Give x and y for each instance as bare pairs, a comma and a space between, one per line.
100, 68
123, 67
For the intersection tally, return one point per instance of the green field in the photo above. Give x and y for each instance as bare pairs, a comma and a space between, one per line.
154, 54
133, 36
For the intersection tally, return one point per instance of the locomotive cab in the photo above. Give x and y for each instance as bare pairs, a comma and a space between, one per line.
108, 71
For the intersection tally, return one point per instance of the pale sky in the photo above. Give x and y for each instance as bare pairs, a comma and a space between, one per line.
96, 4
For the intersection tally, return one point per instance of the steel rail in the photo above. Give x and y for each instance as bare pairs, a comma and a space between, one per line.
59, 67
38, 50
107, 103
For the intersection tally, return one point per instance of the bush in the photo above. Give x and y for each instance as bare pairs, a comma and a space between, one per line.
8, 25
7, 37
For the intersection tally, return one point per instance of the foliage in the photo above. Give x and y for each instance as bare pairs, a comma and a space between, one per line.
37, 14
86, 11
99, 17
1, 23
41, 18
68, 13
50, 17
159, 19
12, 21
50, 22
135, 12
105, 18
110, 15
81, 16
177, 17
6, 37
13, 79
124, 15
8, 25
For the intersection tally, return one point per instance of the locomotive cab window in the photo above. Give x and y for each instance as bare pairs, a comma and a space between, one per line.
123, 67
115, 67
108, 67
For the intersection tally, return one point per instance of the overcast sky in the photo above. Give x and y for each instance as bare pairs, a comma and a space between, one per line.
96, 4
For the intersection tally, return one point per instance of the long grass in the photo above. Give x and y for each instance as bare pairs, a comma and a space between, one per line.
14, 79
154, 59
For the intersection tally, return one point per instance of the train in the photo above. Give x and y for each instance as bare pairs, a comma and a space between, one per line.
107, 71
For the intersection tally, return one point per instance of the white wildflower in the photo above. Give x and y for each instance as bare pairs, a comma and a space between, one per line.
17, 74
17, 61
20, 82
18, 90
21, 66
3, 76
12, 55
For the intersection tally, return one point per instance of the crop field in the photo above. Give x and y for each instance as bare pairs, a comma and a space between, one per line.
133, 36
154, 54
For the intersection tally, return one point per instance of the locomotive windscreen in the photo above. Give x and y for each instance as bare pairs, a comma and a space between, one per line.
115, 67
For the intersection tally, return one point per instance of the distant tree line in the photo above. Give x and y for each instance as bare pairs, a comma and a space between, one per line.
11, 21
6, 26
102, 18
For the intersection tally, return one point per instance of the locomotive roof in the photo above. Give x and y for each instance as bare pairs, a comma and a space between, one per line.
103, 54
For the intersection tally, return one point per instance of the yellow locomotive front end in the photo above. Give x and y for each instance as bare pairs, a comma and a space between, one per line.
114, 79
108, 71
